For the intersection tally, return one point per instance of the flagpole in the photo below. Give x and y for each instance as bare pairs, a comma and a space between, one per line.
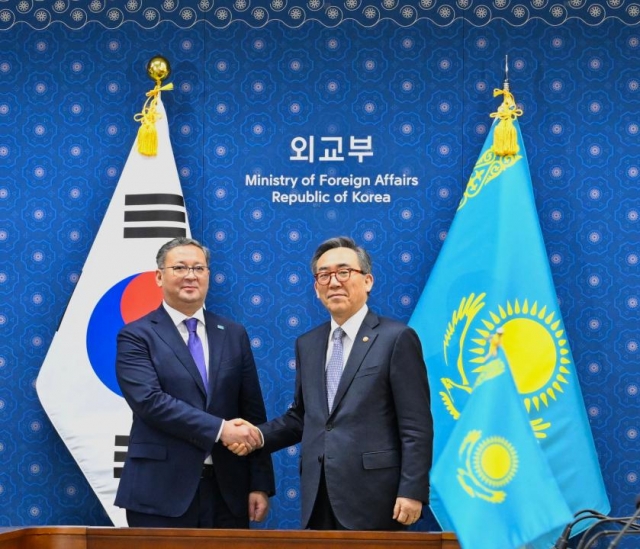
506, 72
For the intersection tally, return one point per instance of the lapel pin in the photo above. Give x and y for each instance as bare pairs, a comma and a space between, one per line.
365, 338
220, 327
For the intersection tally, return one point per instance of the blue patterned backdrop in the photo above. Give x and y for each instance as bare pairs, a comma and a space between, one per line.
412, 81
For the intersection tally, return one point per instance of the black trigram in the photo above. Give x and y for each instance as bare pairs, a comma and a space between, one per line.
121, 441
150, 219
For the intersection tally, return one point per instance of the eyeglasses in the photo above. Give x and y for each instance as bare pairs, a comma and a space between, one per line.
183, 270
342, 275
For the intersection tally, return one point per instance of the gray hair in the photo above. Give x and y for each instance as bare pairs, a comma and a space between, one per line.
364, 260
176, 243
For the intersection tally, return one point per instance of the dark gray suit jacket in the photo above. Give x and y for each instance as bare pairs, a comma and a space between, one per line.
174, 424
376, 444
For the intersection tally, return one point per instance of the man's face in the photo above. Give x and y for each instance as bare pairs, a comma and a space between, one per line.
342, 299
184, 293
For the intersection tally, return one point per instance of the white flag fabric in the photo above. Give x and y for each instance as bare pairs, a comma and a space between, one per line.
77, 384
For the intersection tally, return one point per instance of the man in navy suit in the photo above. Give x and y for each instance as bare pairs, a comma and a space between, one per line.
367, 433
177, 472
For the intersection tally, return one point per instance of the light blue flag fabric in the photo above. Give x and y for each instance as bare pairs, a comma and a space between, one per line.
493, 273
492, 477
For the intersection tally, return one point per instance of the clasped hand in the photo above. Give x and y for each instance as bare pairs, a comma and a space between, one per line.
241, 437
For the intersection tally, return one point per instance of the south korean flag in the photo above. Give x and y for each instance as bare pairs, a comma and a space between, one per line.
77, 384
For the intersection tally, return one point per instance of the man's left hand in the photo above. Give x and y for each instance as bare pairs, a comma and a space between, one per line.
258, 506
407, 511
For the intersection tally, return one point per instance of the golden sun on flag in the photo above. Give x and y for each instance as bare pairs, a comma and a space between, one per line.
486, 465
495, 461
536, 347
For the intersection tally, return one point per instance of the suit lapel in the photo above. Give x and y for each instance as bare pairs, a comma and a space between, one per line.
317, 354
168, 332
216, 336
364, 340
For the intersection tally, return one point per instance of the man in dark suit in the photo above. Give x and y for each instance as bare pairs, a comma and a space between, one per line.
177, 472
366, 450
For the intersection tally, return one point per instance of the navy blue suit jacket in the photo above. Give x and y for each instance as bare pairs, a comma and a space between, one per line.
376, 444
175, 425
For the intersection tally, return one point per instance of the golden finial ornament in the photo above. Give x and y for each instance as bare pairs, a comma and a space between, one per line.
158, 69
505, 137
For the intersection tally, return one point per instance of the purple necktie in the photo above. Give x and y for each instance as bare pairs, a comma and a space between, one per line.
334, 366
195, 346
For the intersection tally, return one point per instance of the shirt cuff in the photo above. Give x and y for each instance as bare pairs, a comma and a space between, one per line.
220, 431
261, 438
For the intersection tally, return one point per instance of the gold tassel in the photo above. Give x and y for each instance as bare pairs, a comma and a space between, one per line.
147, 133
505, 137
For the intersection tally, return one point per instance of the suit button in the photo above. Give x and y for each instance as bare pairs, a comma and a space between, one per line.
329, 426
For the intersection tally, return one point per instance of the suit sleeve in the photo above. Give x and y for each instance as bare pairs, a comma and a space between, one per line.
142, 389
252, 409
410, 388
286, 430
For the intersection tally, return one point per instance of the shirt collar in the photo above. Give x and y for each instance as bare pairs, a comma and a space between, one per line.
177, 317
352, 326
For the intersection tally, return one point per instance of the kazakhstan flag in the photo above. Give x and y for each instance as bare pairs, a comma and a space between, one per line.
492, 477
492, 273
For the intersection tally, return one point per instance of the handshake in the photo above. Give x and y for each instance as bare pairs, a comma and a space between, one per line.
241, 437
